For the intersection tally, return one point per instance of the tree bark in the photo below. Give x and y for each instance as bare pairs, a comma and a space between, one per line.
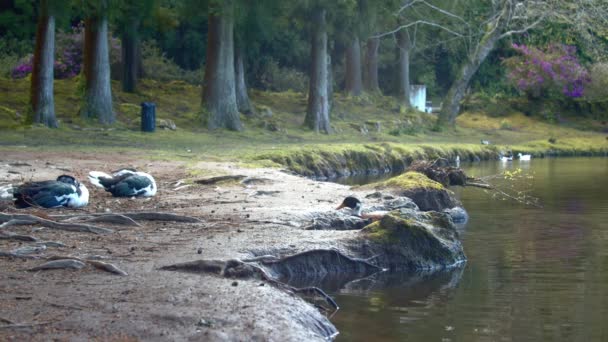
403, 41
370, 75
41, 91
242, 98
317, 112
451, 104
353, 83
130, 60
96, 69
219, 91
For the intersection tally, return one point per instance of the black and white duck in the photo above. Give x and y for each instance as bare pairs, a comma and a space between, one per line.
125, 183
356, 208
65, 191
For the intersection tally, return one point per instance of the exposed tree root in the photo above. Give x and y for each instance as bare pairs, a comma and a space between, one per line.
17, 237
116, 217
23, 219
241, 270
23, 325
215, 180
96, 263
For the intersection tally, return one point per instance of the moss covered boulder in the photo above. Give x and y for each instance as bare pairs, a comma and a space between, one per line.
426, 193
409, 240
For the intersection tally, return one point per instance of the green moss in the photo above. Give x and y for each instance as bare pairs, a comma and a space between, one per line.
393, 228
10, 118
409, 180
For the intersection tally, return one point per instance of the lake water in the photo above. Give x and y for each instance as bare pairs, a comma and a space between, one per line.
533, 274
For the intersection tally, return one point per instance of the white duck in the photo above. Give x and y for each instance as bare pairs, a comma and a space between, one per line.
524, 156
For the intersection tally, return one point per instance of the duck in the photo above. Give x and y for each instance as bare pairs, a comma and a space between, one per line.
356, 207
506, 158
524, 156
125, 183
65, 191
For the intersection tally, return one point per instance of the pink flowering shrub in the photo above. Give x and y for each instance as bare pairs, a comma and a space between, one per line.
68, 55
553, 72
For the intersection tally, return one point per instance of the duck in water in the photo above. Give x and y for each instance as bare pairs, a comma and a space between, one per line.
65, 191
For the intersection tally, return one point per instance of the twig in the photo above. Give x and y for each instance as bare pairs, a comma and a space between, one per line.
480, 185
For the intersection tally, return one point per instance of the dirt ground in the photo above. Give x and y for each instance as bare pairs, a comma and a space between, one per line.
238, 221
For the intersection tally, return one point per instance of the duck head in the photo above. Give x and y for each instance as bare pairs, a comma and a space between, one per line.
353, 203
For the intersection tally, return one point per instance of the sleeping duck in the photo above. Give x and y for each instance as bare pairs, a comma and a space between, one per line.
66, 191
356, 207
125, 183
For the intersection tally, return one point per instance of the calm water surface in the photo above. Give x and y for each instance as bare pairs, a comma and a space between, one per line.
533, 274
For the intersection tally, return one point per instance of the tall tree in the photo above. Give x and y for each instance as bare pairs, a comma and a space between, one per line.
219, 90
317, 112
41, 91
404, 46
96, 67
370, 68
504, 19
129, 25
242, 97
353, 79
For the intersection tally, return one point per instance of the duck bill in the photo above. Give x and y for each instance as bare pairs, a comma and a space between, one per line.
341, 206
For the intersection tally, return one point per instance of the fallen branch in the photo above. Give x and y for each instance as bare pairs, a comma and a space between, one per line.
24, 219
480, 185
315, 290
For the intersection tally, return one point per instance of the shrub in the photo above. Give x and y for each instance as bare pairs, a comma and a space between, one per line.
158, 67
277, 78
553, 72
597, 90
68, 54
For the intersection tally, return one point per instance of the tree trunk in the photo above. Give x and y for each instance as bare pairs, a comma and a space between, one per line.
41, 91
317, 112
370, 76
242, 98
330, 84
130, 60
451, 103
403, 41
353, 83
219, 91
96, 69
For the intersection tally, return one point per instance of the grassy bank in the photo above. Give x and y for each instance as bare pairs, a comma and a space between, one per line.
371, 133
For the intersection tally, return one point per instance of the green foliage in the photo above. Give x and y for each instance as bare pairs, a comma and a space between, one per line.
276, 78
597, 90
158, 67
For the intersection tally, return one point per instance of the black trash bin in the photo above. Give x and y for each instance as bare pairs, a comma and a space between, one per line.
148, 116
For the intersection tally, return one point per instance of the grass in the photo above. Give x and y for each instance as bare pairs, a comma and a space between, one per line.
275, 136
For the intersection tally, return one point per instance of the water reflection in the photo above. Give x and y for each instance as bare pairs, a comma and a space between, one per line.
533, 274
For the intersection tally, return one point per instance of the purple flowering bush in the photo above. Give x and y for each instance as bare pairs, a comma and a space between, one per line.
553, 72
68, 55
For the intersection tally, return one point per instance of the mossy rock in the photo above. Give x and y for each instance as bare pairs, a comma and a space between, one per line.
425, 192
415, 242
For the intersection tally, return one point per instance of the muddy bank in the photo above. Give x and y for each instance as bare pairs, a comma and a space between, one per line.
256, 224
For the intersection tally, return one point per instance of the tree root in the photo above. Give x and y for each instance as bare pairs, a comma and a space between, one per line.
17, 237
23, 219
149, 216
95, 263
23, 325
218, 179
